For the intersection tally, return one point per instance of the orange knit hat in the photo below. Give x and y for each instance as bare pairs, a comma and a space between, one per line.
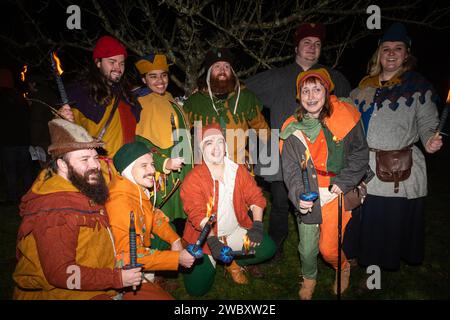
321, 74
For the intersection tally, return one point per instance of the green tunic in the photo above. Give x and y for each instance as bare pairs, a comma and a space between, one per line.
247, 115
156, 114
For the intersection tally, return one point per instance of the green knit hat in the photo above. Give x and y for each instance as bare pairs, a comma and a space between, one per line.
128, 153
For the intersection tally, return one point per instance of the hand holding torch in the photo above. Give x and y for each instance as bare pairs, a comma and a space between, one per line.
444, 116
58, 71
227, 254
196, 249
308, 195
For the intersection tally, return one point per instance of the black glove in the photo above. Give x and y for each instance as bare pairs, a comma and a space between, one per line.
255, 233
215, 246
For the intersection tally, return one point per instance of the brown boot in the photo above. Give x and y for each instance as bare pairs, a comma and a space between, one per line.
237, 273
307, 289
345, 280
255, 271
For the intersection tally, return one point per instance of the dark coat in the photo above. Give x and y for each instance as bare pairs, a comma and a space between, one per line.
276, 88
356, 159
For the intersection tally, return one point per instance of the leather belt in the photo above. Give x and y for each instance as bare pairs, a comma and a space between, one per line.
325, 173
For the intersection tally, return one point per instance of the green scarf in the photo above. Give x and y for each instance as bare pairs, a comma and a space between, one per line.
309, 126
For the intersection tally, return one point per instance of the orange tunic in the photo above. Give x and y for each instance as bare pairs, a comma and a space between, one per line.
126, 196
197, 189
342, 120
64, 248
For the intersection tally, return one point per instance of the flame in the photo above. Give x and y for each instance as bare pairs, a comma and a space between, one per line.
246, 243
58, 64
448, 97
209, 207
305, 159
22, 74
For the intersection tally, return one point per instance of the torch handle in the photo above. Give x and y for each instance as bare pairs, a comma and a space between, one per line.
305, 180
205, 231
62, 90
242, 253
132, 239
443, 118
59, 83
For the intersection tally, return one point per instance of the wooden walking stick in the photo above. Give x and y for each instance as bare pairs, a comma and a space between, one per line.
339, 268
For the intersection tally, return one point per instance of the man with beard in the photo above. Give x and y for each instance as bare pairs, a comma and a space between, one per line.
130, 192
101, 102
224, 101
64, 244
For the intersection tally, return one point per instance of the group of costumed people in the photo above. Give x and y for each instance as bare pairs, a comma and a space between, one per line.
122, 166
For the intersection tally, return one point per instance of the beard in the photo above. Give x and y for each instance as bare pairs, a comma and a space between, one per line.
222, 86
113, 78
98, 191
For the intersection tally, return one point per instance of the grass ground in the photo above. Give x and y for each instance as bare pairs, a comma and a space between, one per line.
431, 280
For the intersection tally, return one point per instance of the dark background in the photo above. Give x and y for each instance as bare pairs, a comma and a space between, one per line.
429, 45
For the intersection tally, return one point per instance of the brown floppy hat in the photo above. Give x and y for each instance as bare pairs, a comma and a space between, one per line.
67, 136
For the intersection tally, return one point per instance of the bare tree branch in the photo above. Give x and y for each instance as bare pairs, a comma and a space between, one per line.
258, 31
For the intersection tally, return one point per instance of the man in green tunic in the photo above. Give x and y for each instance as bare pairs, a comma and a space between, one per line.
223, 100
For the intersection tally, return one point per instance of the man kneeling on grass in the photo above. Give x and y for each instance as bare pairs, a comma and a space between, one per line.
130, 192
233, 192
64, 246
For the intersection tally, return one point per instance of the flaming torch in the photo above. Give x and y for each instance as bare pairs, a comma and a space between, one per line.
133, 249
246, 244
174, 128
444, 116
308, 195
196, 249
23, 77
227, 254
58, 71
23, 73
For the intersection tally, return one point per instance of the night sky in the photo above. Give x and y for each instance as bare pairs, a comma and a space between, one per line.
429, 45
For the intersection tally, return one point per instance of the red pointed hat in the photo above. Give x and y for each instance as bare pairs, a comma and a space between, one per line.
211, 129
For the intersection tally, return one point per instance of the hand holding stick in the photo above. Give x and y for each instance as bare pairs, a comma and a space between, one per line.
196, 249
